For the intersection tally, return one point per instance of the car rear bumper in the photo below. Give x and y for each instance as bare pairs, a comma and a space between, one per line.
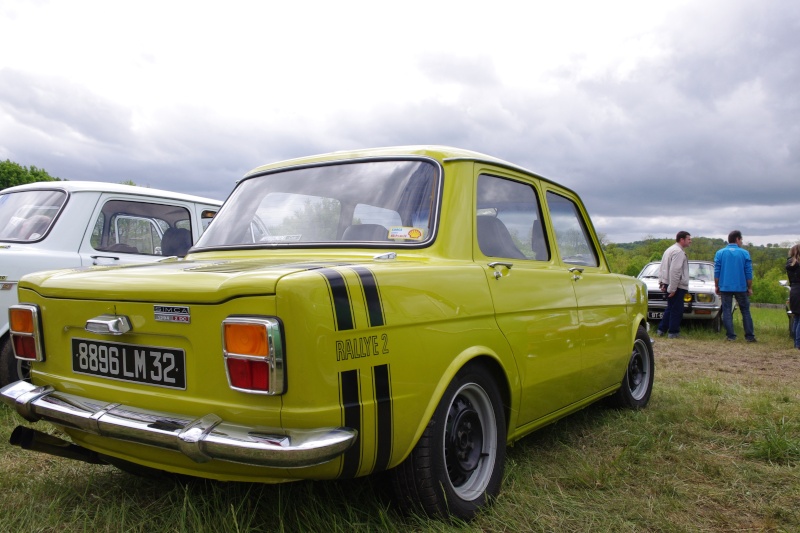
201, 439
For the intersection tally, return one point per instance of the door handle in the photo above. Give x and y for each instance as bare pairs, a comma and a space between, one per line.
495, 264
576, 273
96, 259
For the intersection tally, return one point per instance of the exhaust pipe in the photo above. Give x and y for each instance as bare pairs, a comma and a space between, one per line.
30, 439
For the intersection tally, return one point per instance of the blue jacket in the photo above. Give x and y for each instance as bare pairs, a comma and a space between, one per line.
733, 268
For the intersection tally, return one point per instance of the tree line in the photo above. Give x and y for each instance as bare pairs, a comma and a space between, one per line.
768, 261
12, 174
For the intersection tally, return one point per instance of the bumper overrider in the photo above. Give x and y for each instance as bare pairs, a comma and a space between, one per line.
200, 439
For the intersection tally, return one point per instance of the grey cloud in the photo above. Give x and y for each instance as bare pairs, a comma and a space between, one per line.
62, 108
468, 71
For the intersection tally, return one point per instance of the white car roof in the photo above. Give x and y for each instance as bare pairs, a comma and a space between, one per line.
101, 186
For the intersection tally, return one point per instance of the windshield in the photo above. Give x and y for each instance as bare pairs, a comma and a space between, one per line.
369, 203
27, 216
701, 271
697, 271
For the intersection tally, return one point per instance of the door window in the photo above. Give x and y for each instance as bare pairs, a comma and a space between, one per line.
509, 220
126, 226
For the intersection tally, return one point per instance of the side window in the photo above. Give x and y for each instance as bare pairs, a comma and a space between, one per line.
509, 220
141, 234
126, 226
572, 236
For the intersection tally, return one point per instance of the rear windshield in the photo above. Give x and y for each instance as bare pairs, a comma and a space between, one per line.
27, 216
368, 203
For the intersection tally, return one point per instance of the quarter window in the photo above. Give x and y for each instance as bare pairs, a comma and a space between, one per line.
27, 216
572, 237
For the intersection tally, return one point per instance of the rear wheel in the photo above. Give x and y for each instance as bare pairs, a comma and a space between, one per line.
637, 384
457, 465
11, 368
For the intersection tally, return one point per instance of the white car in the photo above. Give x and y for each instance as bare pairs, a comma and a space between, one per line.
700, 303
66, 224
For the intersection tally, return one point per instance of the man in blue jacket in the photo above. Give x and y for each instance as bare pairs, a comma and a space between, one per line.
733, 278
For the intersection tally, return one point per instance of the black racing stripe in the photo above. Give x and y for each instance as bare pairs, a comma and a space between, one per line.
341, 300
351, 405
383, 401
372, 296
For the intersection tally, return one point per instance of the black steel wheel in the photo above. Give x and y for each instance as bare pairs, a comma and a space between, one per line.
637, 383
457, 466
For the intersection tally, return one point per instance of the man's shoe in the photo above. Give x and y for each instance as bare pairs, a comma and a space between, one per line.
659, 333
752, 340
673, 336
730, 339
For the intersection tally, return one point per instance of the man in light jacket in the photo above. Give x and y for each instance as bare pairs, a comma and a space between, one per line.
673, 277
733, 278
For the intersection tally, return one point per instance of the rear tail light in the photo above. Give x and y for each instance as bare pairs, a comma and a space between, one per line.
253, 352
25, 327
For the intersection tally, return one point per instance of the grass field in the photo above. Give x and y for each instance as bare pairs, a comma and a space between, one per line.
718, 449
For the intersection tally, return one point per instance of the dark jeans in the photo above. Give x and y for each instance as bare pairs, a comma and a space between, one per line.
673, 314
743, 301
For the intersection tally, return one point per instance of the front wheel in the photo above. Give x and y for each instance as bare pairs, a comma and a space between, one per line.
716, 322
457, 465
637, 384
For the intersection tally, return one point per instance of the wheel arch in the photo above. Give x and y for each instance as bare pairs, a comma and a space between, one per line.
476, 355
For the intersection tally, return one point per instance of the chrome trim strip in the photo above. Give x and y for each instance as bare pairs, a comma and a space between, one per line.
203, 439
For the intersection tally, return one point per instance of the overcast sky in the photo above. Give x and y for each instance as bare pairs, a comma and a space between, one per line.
663, 116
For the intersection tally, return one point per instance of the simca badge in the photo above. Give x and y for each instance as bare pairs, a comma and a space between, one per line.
172, 313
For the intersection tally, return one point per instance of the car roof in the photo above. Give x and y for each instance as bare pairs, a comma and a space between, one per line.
442, 154
101, 186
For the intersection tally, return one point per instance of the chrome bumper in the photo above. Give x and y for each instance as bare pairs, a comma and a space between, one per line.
201, 440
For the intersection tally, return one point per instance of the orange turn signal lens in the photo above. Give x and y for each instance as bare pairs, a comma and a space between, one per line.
25, 329
20, 320
252, 347
246, 339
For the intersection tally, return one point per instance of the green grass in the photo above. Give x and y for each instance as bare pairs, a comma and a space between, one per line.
718, 449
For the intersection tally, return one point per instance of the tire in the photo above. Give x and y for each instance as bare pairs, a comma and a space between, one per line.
716, 322
457, 466
11, 368
637, 383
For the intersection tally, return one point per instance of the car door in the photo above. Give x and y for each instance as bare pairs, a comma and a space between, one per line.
601, 300
533, 297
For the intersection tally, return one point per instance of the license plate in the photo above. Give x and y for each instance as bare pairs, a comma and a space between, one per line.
655, 315
151, 365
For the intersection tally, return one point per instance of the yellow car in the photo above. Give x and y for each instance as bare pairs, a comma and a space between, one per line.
410, 309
